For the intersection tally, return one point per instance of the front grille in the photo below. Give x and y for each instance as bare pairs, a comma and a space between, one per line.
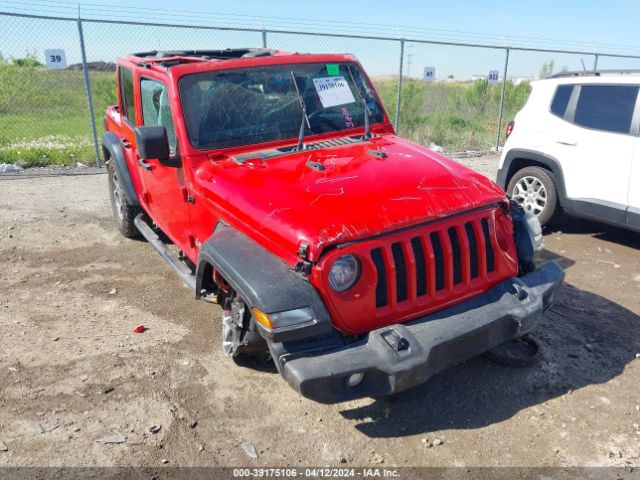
381, 286
438, 259
473, 248
457, 255
487, 245
401, 272
421, 266
449, 257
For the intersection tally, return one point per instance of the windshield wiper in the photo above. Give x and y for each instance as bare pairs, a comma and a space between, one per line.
367, 133
305, 118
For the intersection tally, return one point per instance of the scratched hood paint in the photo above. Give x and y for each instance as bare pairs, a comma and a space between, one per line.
357, 195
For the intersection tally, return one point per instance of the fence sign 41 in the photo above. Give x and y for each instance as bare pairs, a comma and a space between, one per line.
429, 74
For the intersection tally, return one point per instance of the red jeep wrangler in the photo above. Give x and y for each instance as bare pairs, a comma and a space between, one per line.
273, 184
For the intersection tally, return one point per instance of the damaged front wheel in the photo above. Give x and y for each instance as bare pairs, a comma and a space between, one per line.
239, 333
233, 320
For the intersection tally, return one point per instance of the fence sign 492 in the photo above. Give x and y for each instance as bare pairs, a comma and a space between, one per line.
55, 58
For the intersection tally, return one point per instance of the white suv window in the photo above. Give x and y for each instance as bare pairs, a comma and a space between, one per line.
606, 107
561, 100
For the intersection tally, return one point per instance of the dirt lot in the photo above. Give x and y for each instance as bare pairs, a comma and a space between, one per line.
71, 372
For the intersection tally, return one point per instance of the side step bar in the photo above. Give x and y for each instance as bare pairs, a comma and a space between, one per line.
171, 258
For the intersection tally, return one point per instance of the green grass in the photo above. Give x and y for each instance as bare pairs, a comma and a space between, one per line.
44, 117
457, 116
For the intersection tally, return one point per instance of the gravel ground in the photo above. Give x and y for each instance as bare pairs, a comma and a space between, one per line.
73, 376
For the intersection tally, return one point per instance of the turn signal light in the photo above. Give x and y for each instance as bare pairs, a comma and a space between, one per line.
262, 318
299, 317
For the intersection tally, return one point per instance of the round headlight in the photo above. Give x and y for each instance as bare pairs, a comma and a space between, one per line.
344, 273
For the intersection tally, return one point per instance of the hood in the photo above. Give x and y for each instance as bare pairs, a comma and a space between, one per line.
350, 192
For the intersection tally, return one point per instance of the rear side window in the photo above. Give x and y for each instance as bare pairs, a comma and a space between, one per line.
561, 100
606, 107
126, 93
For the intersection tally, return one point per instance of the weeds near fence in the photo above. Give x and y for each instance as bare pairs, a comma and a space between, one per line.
456, 116
43, 113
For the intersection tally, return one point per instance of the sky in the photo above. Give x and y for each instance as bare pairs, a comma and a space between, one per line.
586, 26
604, 22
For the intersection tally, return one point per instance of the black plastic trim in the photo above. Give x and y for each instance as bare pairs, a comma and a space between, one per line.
112, 147
600, 211
527, 233
400, 356
633, 218
262, 280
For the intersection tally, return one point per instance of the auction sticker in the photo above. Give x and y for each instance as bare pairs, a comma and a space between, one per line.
333, 91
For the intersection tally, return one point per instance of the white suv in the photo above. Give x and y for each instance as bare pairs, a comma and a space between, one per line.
575, 146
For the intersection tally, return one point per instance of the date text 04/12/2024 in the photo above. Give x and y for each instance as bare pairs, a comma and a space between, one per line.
315, 472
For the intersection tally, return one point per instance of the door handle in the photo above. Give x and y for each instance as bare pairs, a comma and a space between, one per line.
147, 166
568, 143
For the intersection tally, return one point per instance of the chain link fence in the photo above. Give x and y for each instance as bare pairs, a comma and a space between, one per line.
448, 96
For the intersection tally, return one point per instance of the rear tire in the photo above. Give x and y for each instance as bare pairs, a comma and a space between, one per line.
534, 188
123, 211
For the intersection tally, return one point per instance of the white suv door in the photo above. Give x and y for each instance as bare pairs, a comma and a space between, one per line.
633, 213
596, 144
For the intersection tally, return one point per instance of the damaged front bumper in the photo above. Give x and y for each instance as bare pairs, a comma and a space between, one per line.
397, 357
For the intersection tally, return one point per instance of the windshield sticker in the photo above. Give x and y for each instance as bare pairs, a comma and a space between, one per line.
348, 119
333, 91
333, 69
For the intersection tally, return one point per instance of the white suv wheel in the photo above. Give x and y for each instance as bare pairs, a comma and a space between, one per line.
533, 188
531, 194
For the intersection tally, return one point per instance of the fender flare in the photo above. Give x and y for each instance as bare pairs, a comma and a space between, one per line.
263, 280
112, 148
507, 170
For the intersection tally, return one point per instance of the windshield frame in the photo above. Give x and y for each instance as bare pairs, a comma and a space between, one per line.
288, 63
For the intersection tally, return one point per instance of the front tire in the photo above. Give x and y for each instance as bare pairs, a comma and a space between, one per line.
123, 211
239, 334
534, 188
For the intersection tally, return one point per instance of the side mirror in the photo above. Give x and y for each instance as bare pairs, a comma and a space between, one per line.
152, 142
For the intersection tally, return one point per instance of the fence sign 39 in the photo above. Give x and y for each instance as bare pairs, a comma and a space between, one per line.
55, 58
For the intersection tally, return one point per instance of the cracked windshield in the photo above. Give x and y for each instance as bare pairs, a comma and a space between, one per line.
247, 106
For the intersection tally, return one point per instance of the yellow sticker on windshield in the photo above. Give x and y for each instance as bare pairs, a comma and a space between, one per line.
333, 69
